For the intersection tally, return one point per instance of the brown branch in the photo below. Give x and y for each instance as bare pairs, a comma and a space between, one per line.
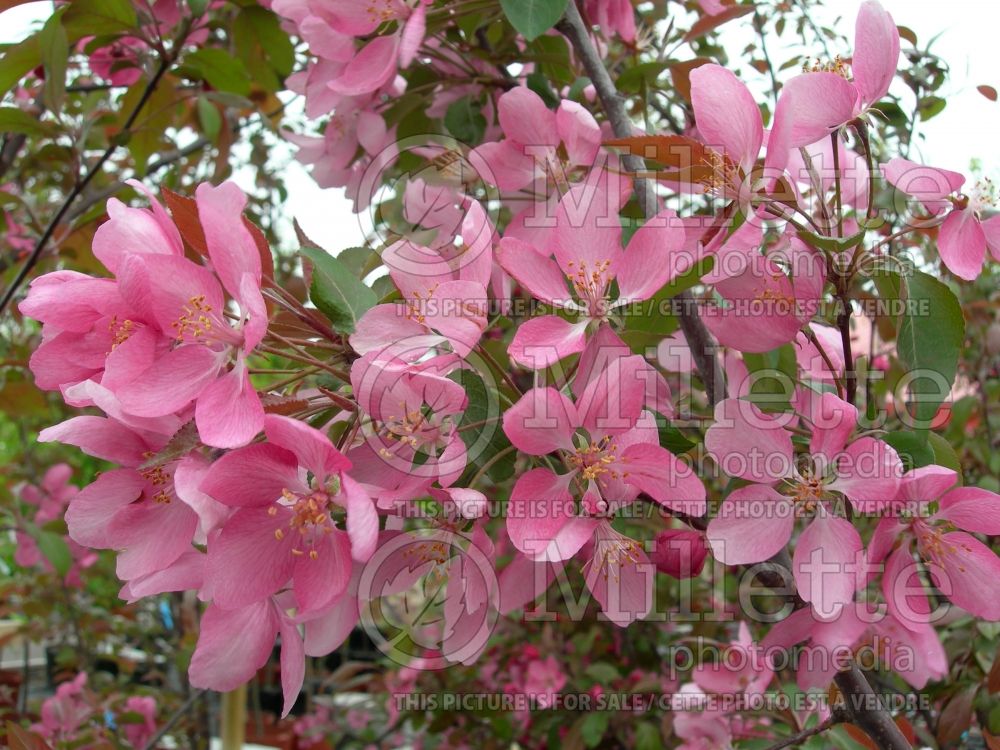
859, 699
699, 340
92, 172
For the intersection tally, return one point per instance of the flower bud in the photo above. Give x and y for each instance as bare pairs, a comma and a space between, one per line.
680, 553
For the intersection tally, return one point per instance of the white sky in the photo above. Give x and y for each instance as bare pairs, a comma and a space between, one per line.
967, 129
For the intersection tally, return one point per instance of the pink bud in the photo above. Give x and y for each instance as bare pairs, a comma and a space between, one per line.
679, 553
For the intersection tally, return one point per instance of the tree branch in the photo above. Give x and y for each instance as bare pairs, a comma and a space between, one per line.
865, 708
81, 185
699, 340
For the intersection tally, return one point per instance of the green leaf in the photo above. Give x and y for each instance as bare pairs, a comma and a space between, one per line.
773, 375
220, 69
633, 79
264, 48
532, 18
209, 117
18, 61
656, 314
56, 551
929, 342
99, 17
602, 672
464, 120
484, 441
647, 736
944, 454
931, 106
540, 85
55, 52
832, 244
671, 438
912, 447
14, 120
336, 292
593, 727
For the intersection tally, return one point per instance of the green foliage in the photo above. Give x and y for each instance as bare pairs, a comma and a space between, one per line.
337, 292
532, 18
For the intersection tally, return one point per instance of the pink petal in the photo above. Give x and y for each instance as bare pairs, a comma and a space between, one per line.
230, 245
229, 413
642, 271
322, 572
833, 421
588, 233
311, 447
413, 35
151, 535
726, 114
928, 185
523, 580
535, 272
134, 230
962, 244
967, 572
505, 165
886, 533
326, 632
876, 51
246, 562
362, 519
94, 505
926, 484
828, 565
748, 444
621, 579
539, 510
542, 421
99, 437
665, 478
371, 68
754, 523
232, 645
811, 106
172, 383
904, 590
579, 132
253, 476
293, 663
972, 509
612, 401
541, 342
525, 118
383, 325
868, 473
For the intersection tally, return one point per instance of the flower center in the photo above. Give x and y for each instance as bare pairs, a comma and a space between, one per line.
595, 459
309, 517
591, 283
837, 66
120, 331
193, 324
933, 545
613, 550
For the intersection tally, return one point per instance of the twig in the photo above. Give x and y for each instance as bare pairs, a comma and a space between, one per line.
796, 739
699, 339
80, 186
172, 721
877, 723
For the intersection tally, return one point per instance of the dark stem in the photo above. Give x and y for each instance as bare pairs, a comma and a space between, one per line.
699, 340
81, 185
796, 739
865, 709
172, 721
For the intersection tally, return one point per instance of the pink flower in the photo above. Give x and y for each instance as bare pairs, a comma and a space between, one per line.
586, 242
118, 62
617, 457
741, 668
234, 643
441, 305
961, 567
534, 136
963, 237
150, 512
65, 713
186, 304
286, 493
616, 16
756, 521
829, 646
817, 103
139, 733
543, 679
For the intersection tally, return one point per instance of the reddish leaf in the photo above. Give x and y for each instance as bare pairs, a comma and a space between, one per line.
680, 73
706, 24
20, 738
993, 680
992, 741
908, 34
266, 261
689, 159
184, 211
956, 716
283, 404
988, 91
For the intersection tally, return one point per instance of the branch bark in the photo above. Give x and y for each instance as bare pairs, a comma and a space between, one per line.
699, 340
876, 722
